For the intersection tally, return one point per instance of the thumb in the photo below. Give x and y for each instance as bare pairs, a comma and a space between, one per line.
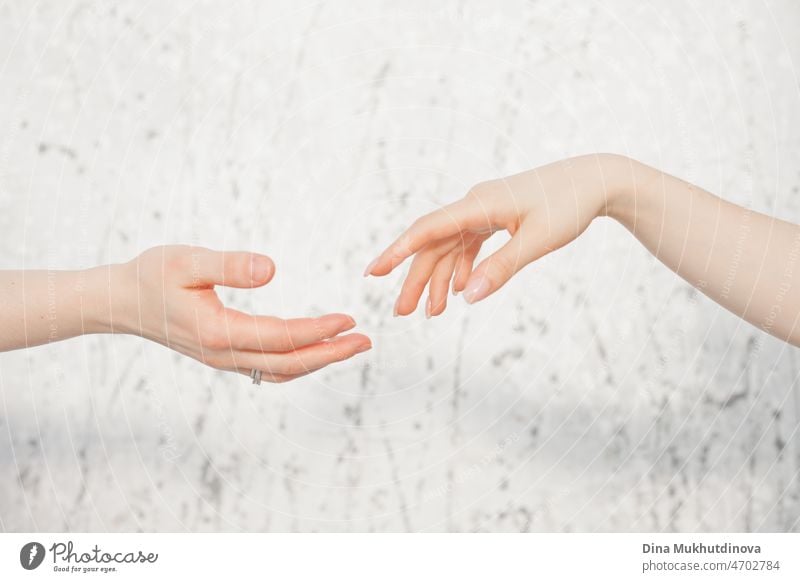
494, 271
230, 268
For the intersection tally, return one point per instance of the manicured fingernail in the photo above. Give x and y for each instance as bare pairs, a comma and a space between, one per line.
363, 348
394, 311
476, 290
428, 308
259, 268
369, 268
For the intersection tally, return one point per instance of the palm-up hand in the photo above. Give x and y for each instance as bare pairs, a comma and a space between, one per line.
169, 298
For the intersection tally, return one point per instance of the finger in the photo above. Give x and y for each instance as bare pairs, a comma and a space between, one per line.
420, 273
304, 360
465, 263
466, 214
440, 282
494, 271
266, 333
229, 268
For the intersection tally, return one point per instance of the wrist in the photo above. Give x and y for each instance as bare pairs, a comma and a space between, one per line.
105, 298
627, 185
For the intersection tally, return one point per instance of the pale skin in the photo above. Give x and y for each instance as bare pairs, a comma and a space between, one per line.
167, 295
745, 261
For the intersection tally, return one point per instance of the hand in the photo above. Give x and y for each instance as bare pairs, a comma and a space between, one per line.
542, 210
167, 295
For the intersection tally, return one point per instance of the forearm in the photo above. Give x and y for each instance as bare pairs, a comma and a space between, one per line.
38, 307
745, 261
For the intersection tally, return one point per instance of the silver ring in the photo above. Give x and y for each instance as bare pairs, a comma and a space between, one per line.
256, 376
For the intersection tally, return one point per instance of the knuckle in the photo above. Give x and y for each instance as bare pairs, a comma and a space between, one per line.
481, 189
293, 365
180, 258
405, 243
322, 330
280, 338
239, 265
504, 266
282, 342
418, 223
335, 354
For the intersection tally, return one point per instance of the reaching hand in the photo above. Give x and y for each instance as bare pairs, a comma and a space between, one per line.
170, 299
542, 210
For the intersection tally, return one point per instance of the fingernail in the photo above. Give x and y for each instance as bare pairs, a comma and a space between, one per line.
363, 348
259, 268
394, 312
369, 268
428, 308
350, 323
454, 292
476, 290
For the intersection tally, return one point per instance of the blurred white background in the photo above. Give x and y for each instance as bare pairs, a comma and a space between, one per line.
597, 392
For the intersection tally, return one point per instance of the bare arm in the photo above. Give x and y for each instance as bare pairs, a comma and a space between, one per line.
46, 306
167, 295
745, 261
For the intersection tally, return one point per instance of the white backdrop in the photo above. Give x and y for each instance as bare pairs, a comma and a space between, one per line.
596, 392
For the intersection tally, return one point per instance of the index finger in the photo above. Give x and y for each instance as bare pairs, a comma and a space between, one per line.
272, 334
465, 214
